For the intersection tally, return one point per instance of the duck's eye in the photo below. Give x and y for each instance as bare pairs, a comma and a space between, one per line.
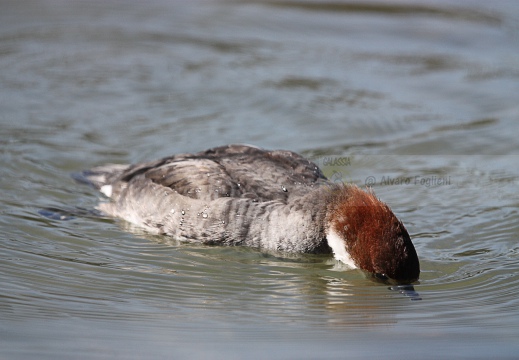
381, 276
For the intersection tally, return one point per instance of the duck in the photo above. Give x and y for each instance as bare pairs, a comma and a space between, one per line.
271, 200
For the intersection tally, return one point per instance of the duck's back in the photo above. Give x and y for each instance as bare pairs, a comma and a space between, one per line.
237, 171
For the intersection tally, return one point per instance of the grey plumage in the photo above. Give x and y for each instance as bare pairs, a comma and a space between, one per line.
230, 195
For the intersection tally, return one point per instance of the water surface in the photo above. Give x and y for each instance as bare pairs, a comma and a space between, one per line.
418, 100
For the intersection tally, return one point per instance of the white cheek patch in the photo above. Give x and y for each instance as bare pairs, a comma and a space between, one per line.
107, 190
339, 249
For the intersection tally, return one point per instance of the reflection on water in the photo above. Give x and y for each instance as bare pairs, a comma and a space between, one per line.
391, 95
388, 9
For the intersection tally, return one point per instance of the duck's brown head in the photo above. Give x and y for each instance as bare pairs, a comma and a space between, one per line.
364, 233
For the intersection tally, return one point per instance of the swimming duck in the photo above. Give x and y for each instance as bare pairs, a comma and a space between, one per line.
270, 200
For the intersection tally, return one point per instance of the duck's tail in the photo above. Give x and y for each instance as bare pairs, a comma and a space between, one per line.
101, 175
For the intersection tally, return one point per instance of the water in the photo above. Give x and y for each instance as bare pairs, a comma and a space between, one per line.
417, 100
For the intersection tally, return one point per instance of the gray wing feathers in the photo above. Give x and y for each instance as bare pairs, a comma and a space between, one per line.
235, 195
236, 171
